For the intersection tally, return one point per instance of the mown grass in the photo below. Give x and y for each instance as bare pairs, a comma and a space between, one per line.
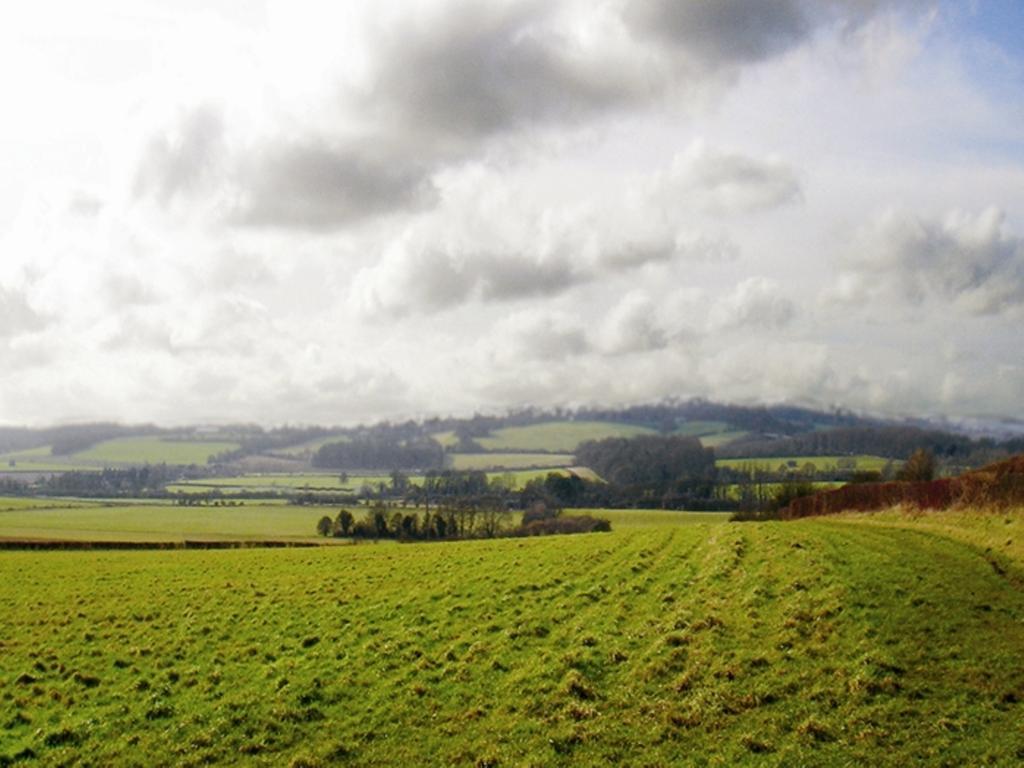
152, 450
820, 463
820, 642
559, 436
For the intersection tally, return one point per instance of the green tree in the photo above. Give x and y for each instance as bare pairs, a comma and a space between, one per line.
344, 522
325, 526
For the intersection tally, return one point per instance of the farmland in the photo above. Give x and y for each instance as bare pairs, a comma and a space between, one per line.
152, 450
300, 482
885, 640
156, 522
557, 436
509, 460
820, 463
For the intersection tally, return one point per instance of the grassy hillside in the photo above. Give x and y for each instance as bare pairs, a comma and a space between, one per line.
557, 436
825, 642
152, 450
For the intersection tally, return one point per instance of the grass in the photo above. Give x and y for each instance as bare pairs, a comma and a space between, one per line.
821, 463
722, 438
298, 482
509, 461
308, 448
18, 503
163, 522
152, 450
38, 460
821, 642
701, 428
557, 436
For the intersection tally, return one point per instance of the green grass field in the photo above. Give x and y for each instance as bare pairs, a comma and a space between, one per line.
161, 522
820, 463
310, 447
721, 438
862, 641
317, 482
19, 503
561, 436
151, 450
509, 461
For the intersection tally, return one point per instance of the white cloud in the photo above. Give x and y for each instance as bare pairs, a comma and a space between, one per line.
969, 259
289, 211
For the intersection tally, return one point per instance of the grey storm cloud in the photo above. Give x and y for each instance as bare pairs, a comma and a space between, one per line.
724, 32
477, 70
969, 259
311, 185
440, 84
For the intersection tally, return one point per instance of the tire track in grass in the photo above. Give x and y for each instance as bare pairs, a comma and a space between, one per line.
939, 646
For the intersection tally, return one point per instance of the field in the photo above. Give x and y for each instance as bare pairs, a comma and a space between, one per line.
509, 461
861, 640
560, 436
300, 482
159, 522
152, 450
721, 438
863, 463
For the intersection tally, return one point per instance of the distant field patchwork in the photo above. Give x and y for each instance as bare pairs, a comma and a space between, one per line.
820, 463
152, 450
562, 436
509, 460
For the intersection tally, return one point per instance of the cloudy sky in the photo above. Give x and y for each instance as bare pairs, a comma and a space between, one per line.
298, 211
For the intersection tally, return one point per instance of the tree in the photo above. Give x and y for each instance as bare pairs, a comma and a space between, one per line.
920, 467
325, 526
345, 520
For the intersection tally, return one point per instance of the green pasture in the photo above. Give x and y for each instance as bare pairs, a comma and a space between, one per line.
152, 450
309, 447
701, 428
73, 520
331, 483
162, 522
39, 460
509, 461
447, 439
820, 463
17, 503
719, 439
881, 641
560, 436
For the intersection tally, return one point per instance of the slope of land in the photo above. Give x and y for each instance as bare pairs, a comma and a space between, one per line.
819, 642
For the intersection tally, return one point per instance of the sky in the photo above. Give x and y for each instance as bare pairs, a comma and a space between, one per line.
308, 212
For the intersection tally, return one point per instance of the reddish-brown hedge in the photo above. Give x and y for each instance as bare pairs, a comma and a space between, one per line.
996, 485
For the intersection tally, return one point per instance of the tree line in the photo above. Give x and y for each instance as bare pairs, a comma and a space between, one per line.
468, 518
